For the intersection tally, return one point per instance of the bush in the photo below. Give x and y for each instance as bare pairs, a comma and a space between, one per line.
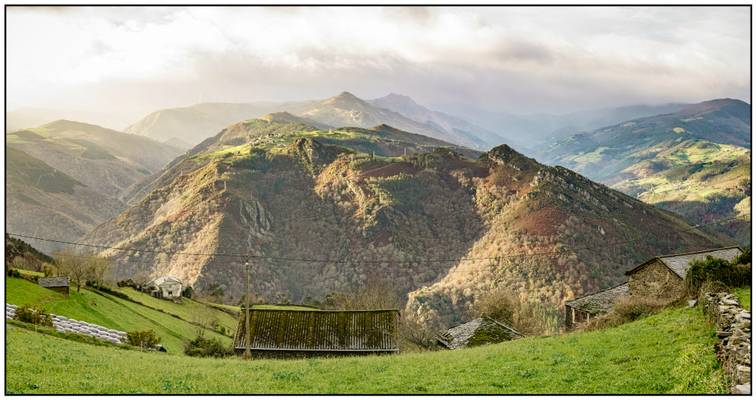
201, 346
626, 309
528, 318
743, 258
731, 274
187, 292
143, 339
33, 315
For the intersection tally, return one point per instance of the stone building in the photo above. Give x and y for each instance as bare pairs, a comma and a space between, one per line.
662, 278
484, 330
165, 287
56, 283
584, 308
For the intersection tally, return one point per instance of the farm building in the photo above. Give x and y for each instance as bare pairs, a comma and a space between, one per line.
484, 330
165, 287
584, 308
56, 283
663, 278
284, 333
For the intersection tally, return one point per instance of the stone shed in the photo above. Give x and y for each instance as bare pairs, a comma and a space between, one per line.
484, 330
56, 283
584, 308
662, 278
284, 333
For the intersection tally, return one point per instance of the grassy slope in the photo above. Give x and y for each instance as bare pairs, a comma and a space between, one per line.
744, 296
189, 310
108, 311
668, 352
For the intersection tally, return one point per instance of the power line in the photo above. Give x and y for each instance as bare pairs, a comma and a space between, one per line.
289, 259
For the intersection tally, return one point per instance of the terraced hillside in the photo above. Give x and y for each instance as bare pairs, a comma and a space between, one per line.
332, 210
173, 323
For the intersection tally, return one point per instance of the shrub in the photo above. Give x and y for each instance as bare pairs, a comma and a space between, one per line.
201, 346
528, 318
626, 309
743, 258
13, 273
187, 292
629, 309
143, 339
33, 315
732, 274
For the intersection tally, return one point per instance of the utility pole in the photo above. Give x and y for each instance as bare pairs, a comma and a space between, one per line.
247, 336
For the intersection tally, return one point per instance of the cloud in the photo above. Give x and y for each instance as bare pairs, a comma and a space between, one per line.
522, 59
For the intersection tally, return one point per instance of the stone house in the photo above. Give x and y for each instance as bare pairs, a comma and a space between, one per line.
584, 308
165, 287
484, 330
285, 333
56, 283
662, 278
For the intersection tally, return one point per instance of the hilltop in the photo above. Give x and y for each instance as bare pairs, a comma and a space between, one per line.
694, 161
286, 191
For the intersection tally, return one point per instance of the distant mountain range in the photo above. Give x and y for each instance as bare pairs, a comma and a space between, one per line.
196, 123
695, 161
65, 177
320, 208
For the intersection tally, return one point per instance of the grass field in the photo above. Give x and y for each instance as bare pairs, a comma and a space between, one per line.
113, 312
671, 352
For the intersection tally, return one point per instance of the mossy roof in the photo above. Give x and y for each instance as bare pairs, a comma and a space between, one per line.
320, 330
600, 302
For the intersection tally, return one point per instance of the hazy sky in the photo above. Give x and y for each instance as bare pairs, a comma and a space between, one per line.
133, 60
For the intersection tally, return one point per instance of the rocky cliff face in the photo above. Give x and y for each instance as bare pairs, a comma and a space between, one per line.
325, 211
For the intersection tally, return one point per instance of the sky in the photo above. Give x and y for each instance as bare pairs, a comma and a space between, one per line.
130, 61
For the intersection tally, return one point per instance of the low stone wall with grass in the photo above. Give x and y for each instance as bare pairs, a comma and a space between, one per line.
734, 330
63, 324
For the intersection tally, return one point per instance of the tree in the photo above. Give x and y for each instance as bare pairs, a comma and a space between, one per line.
72, 265
81, 267
96, 266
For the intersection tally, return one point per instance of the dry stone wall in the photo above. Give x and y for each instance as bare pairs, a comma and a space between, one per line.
734, 331
63, 324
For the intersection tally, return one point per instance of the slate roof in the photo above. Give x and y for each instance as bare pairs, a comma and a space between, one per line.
599, 302
53, 281
461, 335
164, 279
679, 263
320, 330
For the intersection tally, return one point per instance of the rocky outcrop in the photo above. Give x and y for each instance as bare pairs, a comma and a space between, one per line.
734, 330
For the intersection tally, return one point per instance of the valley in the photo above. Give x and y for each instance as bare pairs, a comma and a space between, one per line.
322, 211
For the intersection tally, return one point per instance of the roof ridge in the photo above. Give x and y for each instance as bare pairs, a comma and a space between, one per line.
698, 252
597, 292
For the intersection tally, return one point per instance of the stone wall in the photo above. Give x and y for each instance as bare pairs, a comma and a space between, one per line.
63, 324
734, 331
656, 282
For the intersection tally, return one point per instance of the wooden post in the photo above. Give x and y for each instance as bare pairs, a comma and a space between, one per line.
247, 337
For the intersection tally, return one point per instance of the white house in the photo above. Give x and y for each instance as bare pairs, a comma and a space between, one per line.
166, 287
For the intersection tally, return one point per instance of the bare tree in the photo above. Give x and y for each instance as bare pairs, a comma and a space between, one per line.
72, 265
81, 267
